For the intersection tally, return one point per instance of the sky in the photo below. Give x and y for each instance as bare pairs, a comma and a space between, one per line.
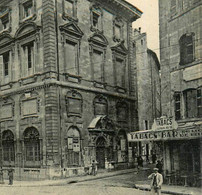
149, 22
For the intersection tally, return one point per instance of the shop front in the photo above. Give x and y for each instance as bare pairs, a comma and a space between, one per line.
181, 150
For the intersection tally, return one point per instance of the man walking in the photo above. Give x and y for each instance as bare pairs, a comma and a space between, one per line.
156, 182
10, 175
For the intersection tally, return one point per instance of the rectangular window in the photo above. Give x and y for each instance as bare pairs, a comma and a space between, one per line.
29, 54
120, 72
27, 6
97, 65
71, 59
6, 63
199, 102
191, 105
95, 19
177, 106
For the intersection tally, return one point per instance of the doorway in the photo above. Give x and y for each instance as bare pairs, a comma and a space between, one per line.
100, 152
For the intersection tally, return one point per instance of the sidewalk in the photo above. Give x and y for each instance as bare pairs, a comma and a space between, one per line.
169, 189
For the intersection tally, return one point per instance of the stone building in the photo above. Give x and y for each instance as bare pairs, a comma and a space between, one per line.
181, 83
148, 88
67, 91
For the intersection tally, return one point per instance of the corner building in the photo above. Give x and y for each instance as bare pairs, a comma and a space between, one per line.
181, 85
67, 91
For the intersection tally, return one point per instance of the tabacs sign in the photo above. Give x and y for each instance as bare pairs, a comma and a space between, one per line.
164, 123
166, 128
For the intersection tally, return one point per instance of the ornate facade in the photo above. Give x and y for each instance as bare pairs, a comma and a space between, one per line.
67, 91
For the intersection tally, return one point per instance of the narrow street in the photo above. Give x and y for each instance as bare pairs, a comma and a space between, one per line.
116, 185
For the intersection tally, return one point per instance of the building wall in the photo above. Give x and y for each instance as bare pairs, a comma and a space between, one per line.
172, 27
148, 82
37, 97
180, 45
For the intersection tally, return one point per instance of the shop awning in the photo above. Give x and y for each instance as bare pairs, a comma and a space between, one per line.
192, 132
94, 121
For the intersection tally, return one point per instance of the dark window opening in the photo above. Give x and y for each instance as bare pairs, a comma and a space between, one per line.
27, 8
8, 146
177, 106
186, 49
6, 63
95, 19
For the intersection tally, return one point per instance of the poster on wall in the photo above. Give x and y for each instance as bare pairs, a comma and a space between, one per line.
119, 156
123, 145
70, 143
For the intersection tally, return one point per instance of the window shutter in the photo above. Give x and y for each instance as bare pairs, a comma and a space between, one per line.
191, 103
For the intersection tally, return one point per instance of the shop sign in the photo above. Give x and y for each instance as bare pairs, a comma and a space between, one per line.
164, 123
151, 135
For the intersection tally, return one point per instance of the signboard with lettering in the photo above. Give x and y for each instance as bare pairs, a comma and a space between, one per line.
164, 123
150, 135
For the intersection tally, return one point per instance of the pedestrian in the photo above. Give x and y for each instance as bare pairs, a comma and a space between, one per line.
156, 182
159, 165
154, 158
140, 161
10, 175
94, 168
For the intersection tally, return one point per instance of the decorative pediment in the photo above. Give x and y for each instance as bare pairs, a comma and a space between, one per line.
98, 39
72, 28
25, 29
5, 39
120, 48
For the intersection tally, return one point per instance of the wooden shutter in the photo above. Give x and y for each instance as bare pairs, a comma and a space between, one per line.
191, 104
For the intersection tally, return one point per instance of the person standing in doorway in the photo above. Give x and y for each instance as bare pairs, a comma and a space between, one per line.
156, 182
154, 158
94, 164
10, 175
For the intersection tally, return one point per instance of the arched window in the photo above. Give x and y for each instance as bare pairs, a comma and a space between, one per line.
122, 111
186, 49
32, 147
73, 147
100, 106
8, 146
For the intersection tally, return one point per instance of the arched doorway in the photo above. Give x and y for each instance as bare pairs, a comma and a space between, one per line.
73, 149
8, 148
100, 152
31, 147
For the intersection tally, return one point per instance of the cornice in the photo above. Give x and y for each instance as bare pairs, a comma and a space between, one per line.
52, 82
